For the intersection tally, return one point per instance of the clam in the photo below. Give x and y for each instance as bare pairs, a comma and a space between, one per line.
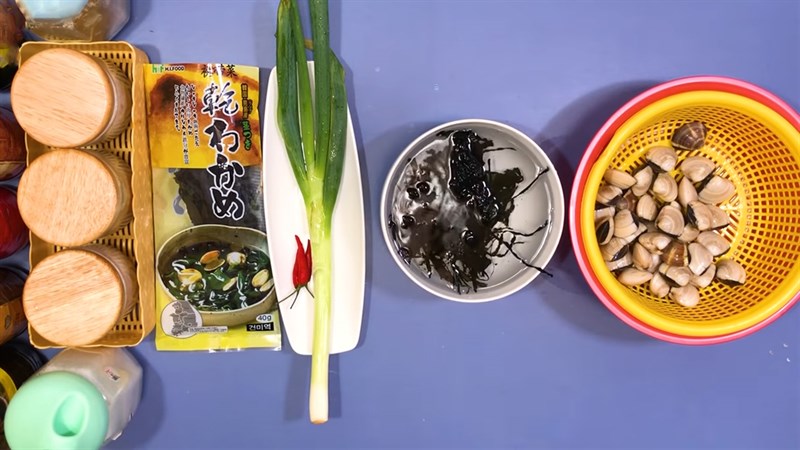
663, 158
188, 277
665, 188
208, 257
646, 208
615, 249
676, 275
604, 212
730, 272
267, 286
608, 195
229, 284
620, 263
644, 180
604, 230
261, 278
714, 243
670, 221
642, 258
686, 192
697, 168
639, 231
674, 254
719, 218
703, 280
634, 277
625, 224
236, 258
690, 233
716, 190
687, 296
659, 286
654, 241
213, 265
699, 258
618, 178
690, 136
627, 201
699, 215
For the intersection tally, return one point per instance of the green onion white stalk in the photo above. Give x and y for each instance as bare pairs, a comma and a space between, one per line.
314, 134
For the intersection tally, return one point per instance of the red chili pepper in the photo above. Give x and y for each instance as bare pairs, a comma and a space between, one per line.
301, 273
302, 264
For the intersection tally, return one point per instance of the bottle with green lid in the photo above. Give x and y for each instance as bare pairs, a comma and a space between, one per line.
82, 399
18, 361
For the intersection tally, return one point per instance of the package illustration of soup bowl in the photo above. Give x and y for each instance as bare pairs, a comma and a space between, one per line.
222, 272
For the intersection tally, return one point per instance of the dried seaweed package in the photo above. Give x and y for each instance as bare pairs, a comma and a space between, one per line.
213, 270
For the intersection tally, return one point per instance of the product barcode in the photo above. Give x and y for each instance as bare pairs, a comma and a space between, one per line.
208, 329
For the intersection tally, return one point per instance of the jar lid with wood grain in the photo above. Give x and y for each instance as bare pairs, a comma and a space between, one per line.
71, 197
75, 297
66, 98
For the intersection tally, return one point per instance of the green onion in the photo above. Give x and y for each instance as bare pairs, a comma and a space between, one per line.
315, 148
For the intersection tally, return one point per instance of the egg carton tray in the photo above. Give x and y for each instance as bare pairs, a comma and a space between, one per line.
136, 239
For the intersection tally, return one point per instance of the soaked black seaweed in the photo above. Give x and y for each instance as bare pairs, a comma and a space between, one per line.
453, 212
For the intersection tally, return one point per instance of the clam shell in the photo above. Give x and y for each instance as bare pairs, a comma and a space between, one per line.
699, 258
634, 277
639, 231
670, 221
674, 254
642, 258
236, 258
261, 278
615, 249
646, 208
686, 192
620, 263
719, 218
654, 241
213, 265
663, 158
697, 168
690, 136
644, 180
604, 230
210, 256
703, 280
716, 190
618, 178
608, 195
676, 275
625, 224
690, 233
730, 272
665, 188
229, 284
659, 286
687, 296
604, 212
714, 243
698, 214
189, 276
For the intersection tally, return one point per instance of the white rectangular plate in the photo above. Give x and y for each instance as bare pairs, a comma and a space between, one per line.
286, 217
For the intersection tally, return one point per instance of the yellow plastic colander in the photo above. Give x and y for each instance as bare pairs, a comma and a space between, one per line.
756, 148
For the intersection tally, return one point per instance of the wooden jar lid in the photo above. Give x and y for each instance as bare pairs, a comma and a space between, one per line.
71, 197
74, 297
63, 98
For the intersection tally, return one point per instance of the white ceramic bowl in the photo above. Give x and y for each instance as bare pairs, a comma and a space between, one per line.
543, 202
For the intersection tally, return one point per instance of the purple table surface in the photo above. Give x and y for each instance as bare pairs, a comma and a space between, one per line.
549, 366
